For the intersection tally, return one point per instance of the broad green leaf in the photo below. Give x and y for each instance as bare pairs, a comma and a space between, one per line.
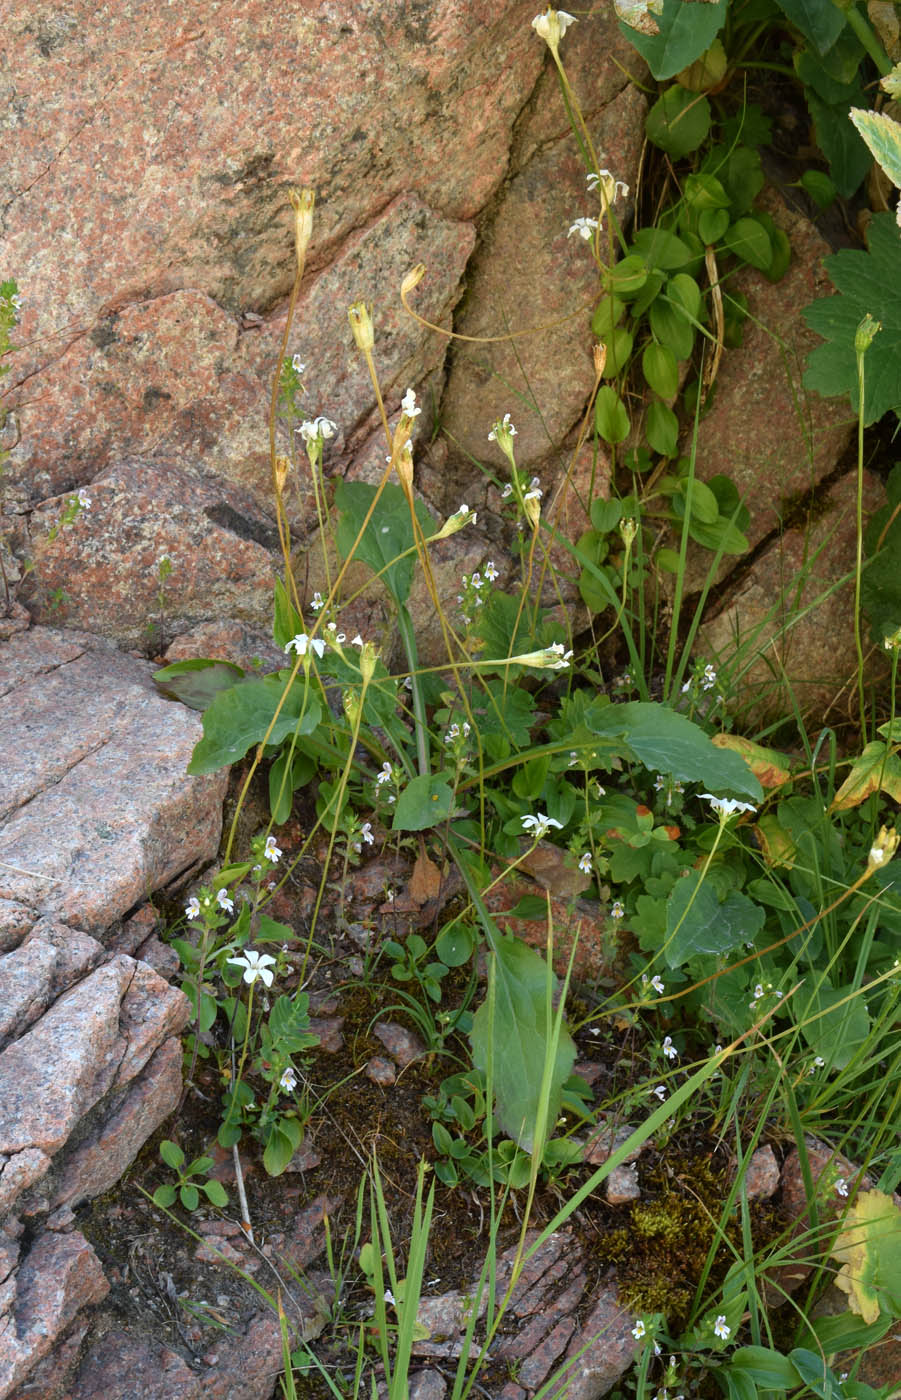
607, 315
610, 416
216, 1193
816, 1374
455, 944
739, 1385
165, 1196
516, 1041
671, 327
820, 21
876, 770
289, 1024
819, 186
748, 239
668, 742
388, 534
661, 428
606, 515
849, 160
189, 1196
841, 1026
775, 842
782, 255
698, 922
707, 71
678, 122
770, 1369
172, 1154
240, 717
685, 30
619, 348
661, 249
283, 1143
705, 508
661, 370
867, 283
196, 683
883, 136
627, 276
424, 802
712, 225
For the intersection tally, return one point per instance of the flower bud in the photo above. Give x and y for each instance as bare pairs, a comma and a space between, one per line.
403, 465
551, 26
368, 657
866, 333
531, 504
883, 848
412, 279
282, 466
302, 202
360, 317
353, 704
628, 529
599, 355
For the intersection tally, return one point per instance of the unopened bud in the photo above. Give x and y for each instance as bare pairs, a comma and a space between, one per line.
360, 317
599, 355
403, 465
282, 467
628, 529
412, 279
302, 202
353, 704
368, 658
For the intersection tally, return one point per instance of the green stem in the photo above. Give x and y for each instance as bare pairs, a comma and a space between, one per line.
867, 37
408, 637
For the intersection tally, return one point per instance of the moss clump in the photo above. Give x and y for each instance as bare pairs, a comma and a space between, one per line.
661, 1252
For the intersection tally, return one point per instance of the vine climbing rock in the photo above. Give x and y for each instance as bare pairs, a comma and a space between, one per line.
96, 813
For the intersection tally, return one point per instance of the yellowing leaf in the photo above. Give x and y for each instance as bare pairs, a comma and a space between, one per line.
869, 1247
777, 846
771, 769
876, 770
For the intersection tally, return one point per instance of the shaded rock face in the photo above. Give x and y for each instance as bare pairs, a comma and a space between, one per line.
96, 811
152, 237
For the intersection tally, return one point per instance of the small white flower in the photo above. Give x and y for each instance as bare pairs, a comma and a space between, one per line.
504, 428
708, 679
297, 364
408, 405
540, 824
658, 984
357, 641
727, 806
639, 1330
841, 1186
317, 602
271, 850
617, 909
192, 908
83, 498
877, 855
225, 901
491, 572
585, 863
610, 188
384, 774
586, 228
660, 1091
507, 491
452, 734
534, 495
669, 1048
389, 1297
317, 429
302, 644
721, 1328
366, 836
288, 1081
255, 965
552, 25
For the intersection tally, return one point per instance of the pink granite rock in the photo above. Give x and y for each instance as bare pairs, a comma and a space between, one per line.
59, 1275
96, 815
45, 964
97, 1164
